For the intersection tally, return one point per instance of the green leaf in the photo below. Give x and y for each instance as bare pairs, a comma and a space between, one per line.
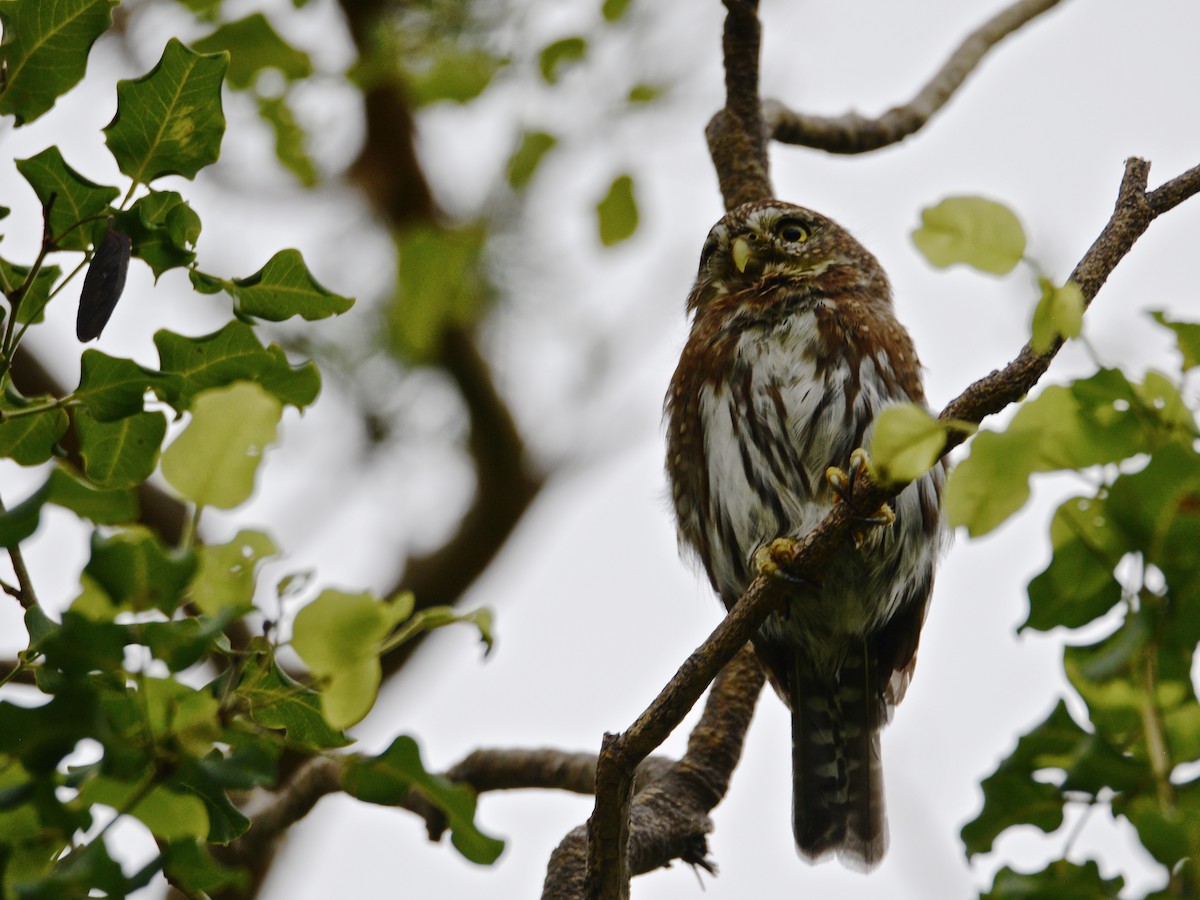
253, 45
284, 288
1097, 420
614, 10
30, 438
1011, 796
1187, 336
39, 737
387, 778
528, 156
1059, 314
33, 301
559, 55
1061, 880
45, 50
82, 645
906, 442
111, 388
981, 233
1171, 833
214, 461
1078, 585
169, 121
290, 139
455, 73
76, 199
189, 862
63, 489
617, 212
169, 815
338, 635
213, 360
273, 700
182, 643
121, 453
644, 93
133, 567
441, 284
296, 385
163, 230
226, 577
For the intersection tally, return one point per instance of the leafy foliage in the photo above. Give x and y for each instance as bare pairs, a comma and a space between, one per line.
1126, 551
979, 232
121, 667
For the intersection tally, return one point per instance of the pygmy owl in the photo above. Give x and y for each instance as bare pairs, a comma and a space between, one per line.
794, 350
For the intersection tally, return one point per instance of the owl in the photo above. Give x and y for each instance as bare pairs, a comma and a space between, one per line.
794, 350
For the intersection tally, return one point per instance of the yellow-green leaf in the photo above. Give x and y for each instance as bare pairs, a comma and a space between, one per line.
214, 461
905, 443
981, 233
1059, 314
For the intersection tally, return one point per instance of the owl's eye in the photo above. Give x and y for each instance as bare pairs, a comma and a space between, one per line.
792, 232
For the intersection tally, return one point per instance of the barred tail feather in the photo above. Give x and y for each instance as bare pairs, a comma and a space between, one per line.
837, 777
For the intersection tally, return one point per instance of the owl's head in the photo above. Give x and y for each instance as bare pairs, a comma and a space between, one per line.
773, 241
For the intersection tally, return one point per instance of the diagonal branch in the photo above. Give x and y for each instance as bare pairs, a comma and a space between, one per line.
620, 755
669, 819
852, 133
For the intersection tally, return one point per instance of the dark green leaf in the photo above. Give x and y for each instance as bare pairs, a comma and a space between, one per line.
82, 645
617, 212
64, 489
163, 229
40, 736
76, 199
1061, 880
284, 288
1187, 336
189, 862
290, 139
1078, 585
972, 230
273, 700
297, 385
112, 388
528, 156
30, 439
1171, 833
1011, 796
33, 301
386, 779
45, 50
181, 643
132, 566
77, 876
169, 121
441, 284
560, 54
253, 45
212, 360
121, 453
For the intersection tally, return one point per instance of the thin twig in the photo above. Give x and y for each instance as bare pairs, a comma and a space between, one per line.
852, 133
25, 595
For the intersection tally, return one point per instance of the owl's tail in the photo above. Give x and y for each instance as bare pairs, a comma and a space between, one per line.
837, 776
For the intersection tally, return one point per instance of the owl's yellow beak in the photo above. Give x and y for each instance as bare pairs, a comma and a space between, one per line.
741, 253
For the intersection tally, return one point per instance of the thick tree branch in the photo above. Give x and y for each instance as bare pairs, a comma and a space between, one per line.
737, 139
668, 820
852, 133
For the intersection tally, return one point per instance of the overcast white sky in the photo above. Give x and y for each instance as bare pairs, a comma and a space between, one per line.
594, 608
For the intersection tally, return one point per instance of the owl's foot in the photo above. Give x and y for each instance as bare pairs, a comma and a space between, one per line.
843, 489
776, 558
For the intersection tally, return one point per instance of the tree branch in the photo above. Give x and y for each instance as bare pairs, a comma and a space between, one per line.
852, 133
737, 137
668, 820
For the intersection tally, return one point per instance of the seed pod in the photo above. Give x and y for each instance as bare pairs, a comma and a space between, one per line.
103, 284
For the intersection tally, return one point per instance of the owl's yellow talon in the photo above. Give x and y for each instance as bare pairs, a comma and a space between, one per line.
770, 559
